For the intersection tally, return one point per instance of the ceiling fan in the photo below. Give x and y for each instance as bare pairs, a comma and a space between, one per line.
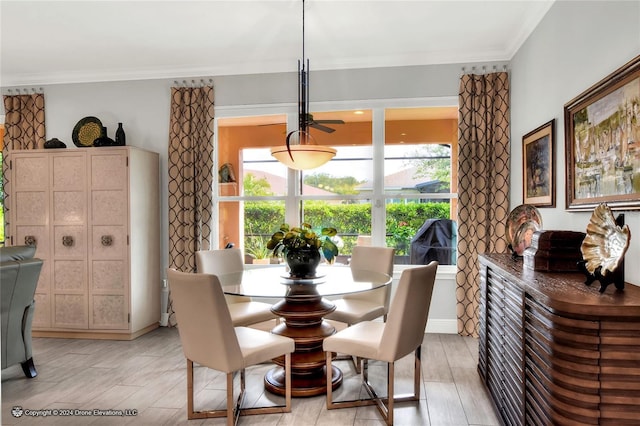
319, 124
302, 152
311, 122
305, 119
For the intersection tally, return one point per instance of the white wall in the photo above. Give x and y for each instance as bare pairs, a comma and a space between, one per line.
575, 46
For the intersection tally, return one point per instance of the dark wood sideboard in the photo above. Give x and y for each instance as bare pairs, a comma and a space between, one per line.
554, 350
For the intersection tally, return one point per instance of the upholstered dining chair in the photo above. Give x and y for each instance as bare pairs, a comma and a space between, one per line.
244, 311
368, 305
388, 342
209, 338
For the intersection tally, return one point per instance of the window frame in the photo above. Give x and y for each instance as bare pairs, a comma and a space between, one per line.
293, 198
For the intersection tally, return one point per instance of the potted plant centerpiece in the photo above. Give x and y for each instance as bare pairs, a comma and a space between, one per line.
301, 248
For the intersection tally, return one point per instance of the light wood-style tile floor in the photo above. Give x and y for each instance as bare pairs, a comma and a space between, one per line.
148, 375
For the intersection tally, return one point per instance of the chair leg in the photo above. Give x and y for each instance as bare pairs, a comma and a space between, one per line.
386, 411
29, 368
417, 371
231, 413
234, 408
357, 361
343, 404
190, 413
391, 374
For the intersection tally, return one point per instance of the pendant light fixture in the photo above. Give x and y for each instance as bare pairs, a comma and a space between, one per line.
300, 151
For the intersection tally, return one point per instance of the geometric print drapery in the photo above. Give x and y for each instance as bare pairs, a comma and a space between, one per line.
24, 128
24, 122
190, 167
483, 184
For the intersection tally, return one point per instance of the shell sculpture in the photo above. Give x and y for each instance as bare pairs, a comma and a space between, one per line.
606, 243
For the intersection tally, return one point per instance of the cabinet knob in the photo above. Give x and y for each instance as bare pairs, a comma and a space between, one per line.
107, 240
67, 240
30, 240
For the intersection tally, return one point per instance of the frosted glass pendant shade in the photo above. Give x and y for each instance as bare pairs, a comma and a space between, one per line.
303, 154
305, 157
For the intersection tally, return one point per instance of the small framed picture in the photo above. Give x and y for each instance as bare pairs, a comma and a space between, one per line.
538, 165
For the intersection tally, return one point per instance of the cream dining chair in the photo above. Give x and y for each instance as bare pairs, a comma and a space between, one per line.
244, 311
368, 305
388, 342
209, 338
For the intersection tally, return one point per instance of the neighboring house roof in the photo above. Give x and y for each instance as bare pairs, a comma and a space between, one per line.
404, 179
279, 184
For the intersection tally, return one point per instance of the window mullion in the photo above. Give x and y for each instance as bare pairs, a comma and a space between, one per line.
378, 211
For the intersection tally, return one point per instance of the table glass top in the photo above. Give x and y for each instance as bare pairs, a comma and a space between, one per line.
331, 280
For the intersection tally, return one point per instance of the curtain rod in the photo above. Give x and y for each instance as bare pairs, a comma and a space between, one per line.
494, 68
193, 83
24, 91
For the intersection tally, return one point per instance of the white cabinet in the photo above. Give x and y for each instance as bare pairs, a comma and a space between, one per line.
94, 216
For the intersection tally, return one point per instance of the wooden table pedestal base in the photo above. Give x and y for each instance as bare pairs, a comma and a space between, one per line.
302, 311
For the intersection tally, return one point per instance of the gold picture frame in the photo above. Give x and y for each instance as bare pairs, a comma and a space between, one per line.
602, 142
538, 165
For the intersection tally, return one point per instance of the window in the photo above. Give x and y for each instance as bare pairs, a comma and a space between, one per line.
377, 190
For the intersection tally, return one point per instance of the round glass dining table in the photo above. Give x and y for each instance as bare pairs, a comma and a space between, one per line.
302, 308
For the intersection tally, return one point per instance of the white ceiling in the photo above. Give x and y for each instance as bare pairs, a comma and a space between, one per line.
49, 42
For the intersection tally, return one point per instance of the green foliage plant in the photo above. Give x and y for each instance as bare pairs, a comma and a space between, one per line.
351, 219
291, 238
257, 247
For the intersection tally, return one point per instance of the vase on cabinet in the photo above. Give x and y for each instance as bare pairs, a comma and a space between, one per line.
103, 140
120, 136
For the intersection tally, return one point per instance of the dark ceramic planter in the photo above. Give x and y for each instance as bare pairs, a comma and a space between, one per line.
303, 262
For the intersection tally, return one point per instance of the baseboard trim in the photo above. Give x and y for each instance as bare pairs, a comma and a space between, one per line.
95, 334
447, 326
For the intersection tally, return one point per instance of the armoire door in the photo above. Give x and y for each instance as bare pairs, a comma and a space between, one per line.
29, 221
69, 235
108, 257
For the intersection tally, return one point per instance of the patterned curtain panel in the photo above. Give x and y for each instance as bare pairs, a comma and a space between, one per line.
190, 174
23, 129
483, 184
24, 121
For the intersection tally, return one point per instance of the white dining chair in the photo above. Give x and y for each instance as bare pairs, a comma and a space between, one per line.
389, 341
369, 305
210, 339
244, 311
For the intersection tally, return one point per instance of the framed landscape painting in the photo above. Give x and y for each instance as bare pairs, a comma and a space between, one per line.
602, 141
538, 164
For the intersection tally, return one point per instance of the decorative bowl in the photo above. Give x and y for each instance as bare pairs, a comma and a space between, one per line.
522, 222
606, 243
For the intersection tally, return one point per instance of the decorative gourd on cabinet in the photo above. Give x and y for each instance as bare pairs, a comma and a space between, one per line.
93, 214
